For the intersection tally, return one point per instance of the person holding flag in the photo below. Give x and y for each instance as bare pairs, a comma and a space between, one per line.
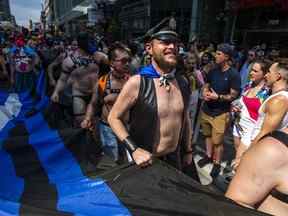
157, 101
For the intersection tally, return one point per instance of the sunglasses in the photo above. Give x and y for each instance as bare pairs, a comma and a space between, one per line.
123, 60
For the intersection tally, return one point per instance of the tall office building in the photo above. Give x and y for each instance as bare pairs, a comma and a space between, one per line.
5, 13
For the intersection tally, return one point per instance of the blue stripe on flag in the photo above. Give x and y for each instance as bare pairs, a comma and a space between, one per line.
3, 97
41, 84
77, 193
11, 186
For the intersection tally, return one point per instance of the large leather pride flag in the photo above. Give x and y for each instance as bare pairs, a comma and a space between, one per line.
44, 170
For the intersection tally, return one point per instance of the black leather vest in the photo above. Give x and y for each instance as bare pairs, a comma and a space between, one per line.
144, 115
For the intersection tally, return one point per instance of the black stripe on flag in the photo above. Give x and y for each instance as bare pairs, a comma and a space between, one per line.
36, 182
161, 190
80, 142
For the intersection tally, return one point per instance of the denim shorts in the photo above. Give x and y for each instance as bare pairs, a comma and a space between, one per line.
109, 141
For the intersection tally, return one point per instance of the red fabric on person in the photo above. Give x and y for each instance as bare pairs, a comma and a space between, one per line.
253, 105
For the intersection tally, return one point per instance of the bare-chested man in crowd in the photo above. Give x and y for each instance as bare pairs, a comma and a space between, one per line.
54, 68
106, 92
81, 71
157, 100
261, 180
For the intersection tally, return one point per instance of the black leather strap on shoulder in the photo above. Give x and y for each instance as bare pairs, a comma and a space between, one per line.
279, 135
280, 196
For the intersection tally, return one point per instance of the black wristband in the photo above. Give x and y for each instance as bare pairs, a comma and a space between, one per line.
129, 144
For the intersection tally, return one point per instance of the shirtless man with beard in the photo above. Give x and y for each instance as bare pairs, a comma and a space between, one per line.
157, 101
81, 71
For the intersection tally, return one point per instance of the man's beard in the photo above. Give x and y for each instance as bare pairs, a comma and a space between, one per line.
164, 64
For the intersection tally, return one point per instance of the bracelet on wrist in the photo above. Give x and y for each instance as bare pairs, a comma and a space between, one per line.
130, 144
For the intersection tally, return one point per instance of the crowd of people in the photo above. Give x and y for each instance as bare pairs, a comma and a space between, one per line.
144, 102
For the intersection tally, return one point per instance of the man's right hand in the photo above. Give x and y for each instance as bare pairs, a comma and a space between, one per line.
142, 157
55, 97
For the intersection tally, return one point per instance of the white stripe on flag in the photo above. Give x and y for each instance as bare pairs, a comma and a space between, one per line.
10, 110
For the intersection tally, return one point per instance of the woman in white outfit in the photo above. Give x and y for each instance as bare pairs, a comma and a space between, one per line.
254, 94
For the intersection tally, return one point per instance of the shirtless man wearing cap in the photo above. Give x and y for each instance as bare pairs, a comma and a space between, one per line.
157, 100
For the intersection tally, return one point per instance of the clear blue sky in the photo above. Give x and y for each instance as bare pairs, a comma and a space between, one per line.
23, 10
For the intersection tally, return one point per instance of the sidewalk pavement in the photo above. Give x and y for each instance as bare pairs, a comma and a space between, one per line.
222, 180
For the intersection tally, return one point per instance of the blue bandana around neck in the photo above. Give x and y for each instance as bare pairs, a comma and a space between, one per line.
149, 71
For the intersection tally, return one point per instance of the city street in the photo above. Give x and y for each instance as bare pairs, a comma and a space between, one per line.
220, 183
101, 103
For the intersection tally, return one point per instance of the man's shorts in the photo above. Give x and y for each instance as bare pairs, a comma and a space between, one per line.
215, 127
109, 141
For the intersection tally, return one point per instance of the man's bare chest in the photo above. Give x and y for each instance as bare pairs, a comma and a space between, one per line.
112, 90
169, 102
84, 72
